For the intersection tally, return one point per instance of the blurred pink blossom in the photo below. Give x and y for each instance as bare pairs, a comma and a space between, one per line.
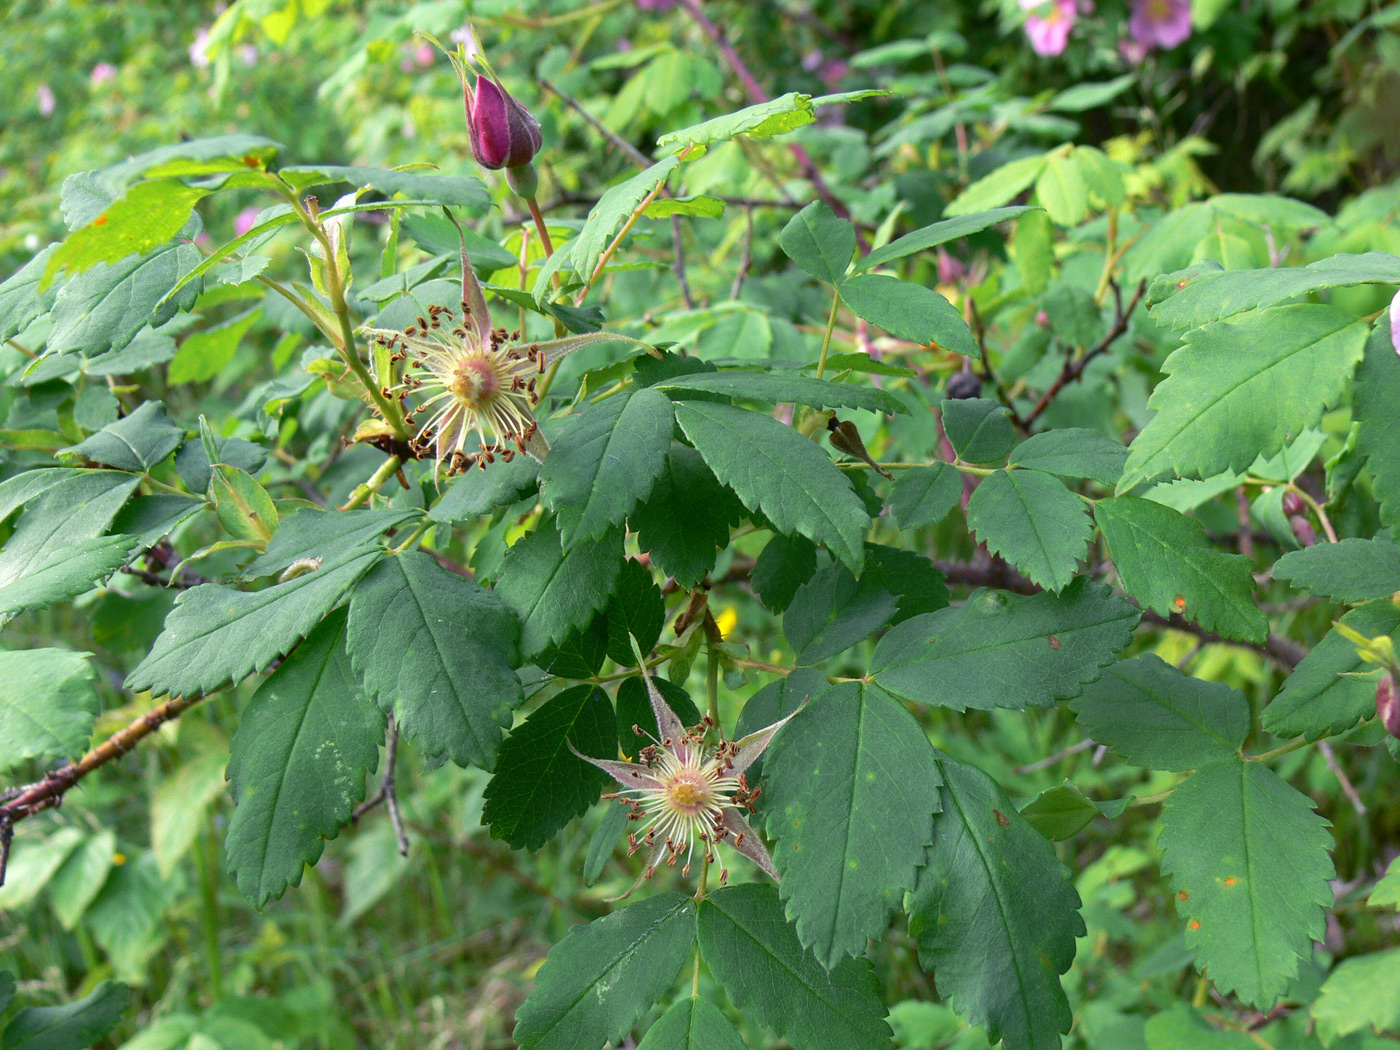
812, 60
1133, 52
424, 54
1160, 23
655, 5
951, 269
47, 103
245, 221
1395, 322
202, 238
103, 72
199, 50
248, 54
1049, 31
467, 39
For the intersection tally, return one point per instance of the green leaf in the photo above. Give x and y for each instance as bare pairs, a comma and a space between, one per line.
1060, 812
819, 241
180, 801
1242, 388
128, 918
601, 978
915, 582
1376, 405
1166, 562
686, 519
329, 535
756, 956
703, 205
1061, 189
1072, 452
1329, 692
1249, 861
478, 492
192, 462
33, 863
206, 156
47, 704
832, 612
554, 591
774, 388
995, 915
634, 709
104, 308
539, 785
66, 573
148, 216
975, 655
774, 702
852, 786
938, 233
436, 650
784, 565
1362, 994
464, 191
81, 877
635, 610
1187, 299
606, 460
1386, 892
692, 1024
1352, 570
216, 635
305, 744
924, 495
78, 506
604, 841
774, 117
1182, 1028
21, 301
1153, 715
1086, 96
776, 471
1032, 521
978, 428
612, 211
73, 1026
205, 354
909, 311
136, 442
998, 188
7, 989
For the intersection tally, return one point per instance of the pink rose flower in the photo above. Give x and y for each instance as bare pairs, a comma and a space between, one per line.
1160, 23
1049, 30
103, 72
245, 221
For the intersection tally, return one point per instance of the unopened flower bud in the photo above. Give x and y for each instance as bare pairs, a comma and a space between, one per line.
504, 134
1303, 531
1042, 319
951, 269
1292, 503
1388, 704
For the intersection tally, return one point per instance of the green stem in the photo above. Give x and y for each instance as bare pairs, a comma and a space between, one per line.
1283, 749
712, 681
413, 538
205, 849
374, 484
830, 327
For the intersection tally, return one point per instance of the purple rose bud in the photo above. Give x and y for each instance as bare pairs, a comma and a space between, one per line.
1303, 531
1388, 705
1293, 503
503, 132
951, 269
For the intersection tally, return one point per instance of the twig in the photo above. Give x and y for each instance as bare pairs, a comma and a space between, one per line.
386, 793
634, 154
1074, 749
745, 259
1074, 369
1330, 757
979, 331
679, 265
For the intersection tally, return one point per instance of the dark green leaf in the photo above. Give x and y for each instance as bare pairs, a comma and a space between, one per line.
478, 492
909, 311
1153, 715
465, 191
1377, 410
995, 915
634, 611
924, 495
1352, 570
774, 702
539, 784
1249, 860
7, 989
754, 953
20, 299
1166, 562
581, 655
938, 233
853, 785
1060, 812
977, 655
773, 469
66, 573
687, 517
1032, 521
914, 580
553, 591
73, 1026
305, 744
819, 241
784, 565
781, 388
149, 519
692, 1024
978, 428
136, 442
1073, 453
604, 841
832, 612
78, 506
47, 704
192, 464
437, 650
601, 978
605, 461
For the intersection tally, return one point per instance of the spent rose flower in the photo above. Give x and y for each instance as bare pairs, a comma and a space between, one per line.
1160, 23
1048, 29
469, 377
688, 793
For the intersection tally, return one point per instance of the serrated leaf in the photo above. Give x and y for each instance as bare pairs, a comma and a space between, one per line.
598, 981
127, 919
784, 565
81, 877
774, 117
329, 535
607, 459
147, 216
1248, 859
1032, 521
1324, 695
938, 233
1242, 388
47, 704
203, 355
925, 495
1351, 570
298, 763
819, 241
436, 650
21, 301
635, 611
1005, 650
216, 635
465, 191
72, 1026
780, 388
1362, 994
909, 311
916, 583
833, 611
539, 784
978, 428
997, 188
612, 210
995, 915
136, 442
852, 786
692, 1024
78, 506
554, 591
604, 841
478, 492
773, 469
686, 519
1167, 563
1376, 405
1148, 712
68, 572
755, 955
1072, 452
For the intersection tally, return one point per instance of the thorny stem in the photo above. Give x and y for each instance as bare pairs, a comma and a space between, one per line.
386, 470
830, 327
1074, 368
